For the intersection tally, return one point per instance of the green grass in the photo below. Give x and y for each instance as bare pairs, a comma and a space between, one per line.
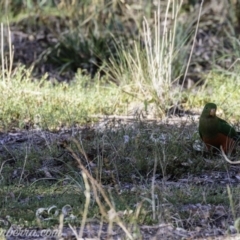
222, 88
43, 105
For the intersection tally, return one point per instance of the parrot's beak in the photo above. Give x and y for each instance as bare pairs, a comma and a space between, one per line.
213, 112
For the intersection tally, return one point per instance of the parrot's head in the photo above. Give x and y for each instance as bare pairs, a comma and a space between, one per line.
209, 110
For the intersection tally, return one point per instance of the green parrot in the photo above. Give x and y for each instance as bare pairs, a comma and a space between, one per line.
216, 132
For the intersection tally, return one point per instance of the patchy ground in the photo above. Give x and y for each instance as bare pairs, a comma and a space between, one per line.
189, 194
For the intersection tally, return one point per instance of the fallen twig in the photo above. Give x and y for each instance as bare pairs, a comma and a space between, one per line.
227, 159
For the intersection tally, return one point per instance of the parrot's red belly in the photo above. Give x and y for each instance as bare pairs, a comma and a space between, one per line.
214, 143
